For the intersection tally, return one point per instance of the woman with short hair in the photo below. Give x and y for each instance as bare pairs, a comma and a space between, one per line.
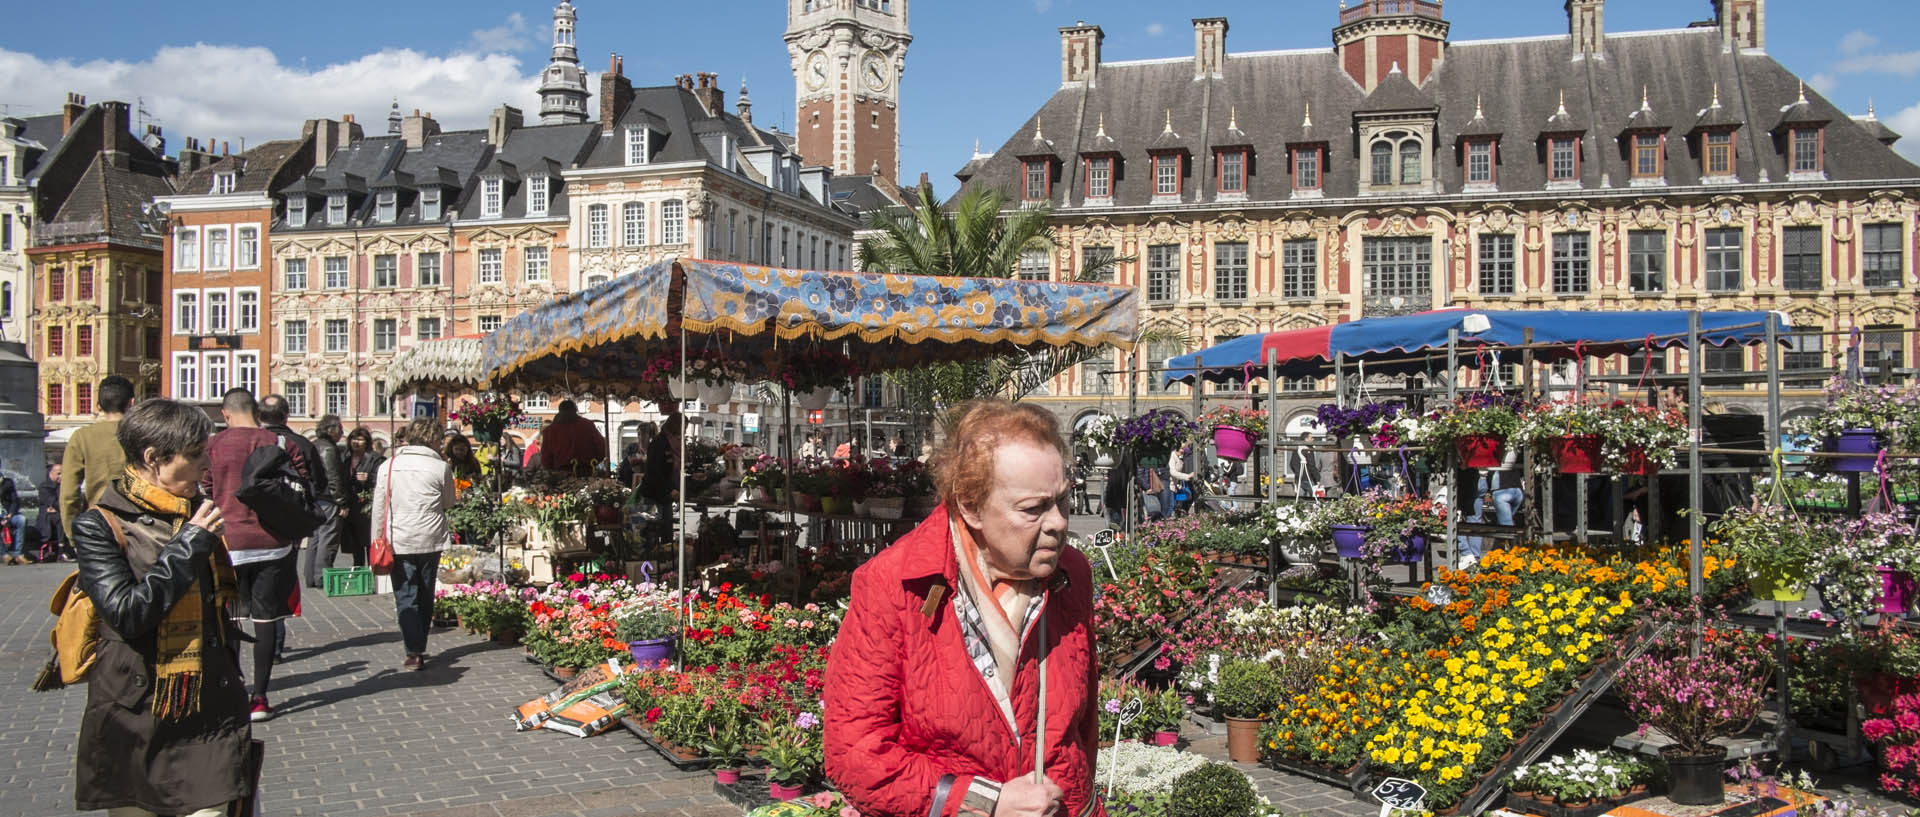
362, 463
165, 729
933, 694
414, 489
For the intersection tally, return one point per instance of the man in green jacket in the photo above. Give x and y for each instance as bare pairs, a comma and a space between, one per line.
93, 459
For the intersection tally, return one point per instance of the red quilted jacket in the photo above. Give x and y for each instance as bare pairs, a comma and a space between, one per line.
905, 705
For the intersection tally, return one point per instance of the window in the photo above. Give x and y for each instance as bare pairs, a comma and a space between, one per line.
536, 195
246, 371
1638, 361
1719, 154
633, 224
1096, 377
293, 337
56, 342
1801, 264
6, 231
492, 270
83, 398
83, 284
636, 146
426, 267
1163, 271
1647, 261
186, 249
1480, 162
186, 312
488, 323
337, 208
186, 376
6, 300
1100, 177
1718, 359
1036, 185
1880, 255
1410, 169
597, 236
1646, 155
1157, 354
83, 340
156, 287
1233, 171
535, 402
1883, 350
296, 394
54, 403
1382, 163
336, 397
1803, 352
386, 334
426, 329
430, 204
386, 271
247, 248
1306, 168
1093, 257
1034, 265
386, 206
297, 211
733, 232
56, 284
1496, 264
246, 310
1299, 268
490, 197
223, 183
1166, 174
1298, 384
336, 335
151, 336
382, 401
1398, 274
293, 273
673, 222
1563, 159
1571, 273
218, 371
535, 263
712, 229
1230, 271
1723, 260
1806, 150
334, 272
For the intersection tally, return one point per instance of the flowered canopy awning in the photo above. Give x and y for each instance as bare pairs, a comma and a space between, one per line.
598, 341
447, 364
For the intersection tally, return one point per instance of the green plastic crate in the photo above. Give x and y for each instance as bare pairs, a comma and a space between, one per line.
348, 581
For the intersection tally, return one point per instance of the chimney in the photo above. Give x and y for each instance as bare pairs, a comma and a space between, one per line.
1743, 24
76, 105
1209, 46
115, 138
328, 136
505, 120
616, 92
415, 129
154, 140
1080, 53
711, 97
814, 181
192, 157
1585, 22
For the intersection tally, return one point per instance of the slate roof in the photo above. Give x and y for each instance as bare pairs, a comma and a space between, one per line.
258, 168
678, 120
109, 202
1518, 83
537, 149
858, 195
41, 133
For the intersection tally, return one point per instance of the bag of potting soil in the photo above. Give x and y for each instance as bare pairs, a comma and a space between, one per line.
589, 716
590, 681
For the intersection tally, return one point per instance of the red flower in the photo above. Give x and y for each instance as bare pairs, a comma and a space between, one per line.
726, 630
576, 577
653, 715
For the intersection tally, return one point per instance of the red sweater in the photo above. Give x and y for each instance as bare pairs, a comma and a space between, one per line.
228, 450
905, 705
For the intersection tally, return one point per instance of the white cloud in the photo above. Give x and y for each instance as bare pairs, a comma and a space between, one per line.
507, 38
1824, 82
245, 92
1907, 124
1858, 42
1899, 63
1043, 6
1155, 29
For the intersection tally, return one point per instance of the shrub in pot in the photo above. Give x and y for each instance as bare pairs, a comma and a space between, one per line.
1214, 790
1774, 547
1245, 696
724, 745
1160, 715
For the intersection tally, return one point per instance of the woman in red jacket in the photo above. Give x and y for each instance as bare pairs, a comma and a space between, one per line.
933, 689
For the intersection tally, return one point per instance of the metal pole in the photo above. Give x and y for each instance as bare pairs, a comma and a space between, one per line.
1340, 379
1453, 365
1782, 683
1274, 468
1773, 381
1133, 410
680, 514
1695, 487
1529, 486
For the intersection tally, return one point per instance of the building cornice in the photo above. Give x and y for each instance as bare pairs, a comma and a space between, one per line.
635, 170
204, 203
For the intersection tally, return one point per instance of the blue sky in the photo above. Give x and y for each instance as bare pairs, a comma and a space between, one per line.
976, 70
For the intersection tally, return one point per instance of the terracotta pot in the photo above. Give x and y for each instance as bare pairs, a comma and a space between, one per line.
566, 673
726, 777
1243, 739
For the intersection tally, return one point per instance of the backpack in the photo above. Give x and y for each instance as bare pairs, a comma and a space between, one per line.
277, 493
76, 627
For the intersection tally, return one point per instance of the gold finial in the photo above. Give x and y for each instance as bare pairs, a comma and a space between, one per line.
1563, 103
1870, 116
1477, 112
1169, 121
1308, 122
1101, 131
1038, 136
1803, 92
1233, 118
1645, 105
1716, 95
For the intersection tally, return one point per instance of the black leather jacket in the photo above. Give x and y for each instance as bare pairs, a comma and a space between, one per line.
134, 606
334, 468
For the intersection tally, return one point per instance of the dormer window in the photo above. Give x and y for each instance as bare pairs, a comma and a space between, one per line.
337, 208
1563, 159
297, 211
1717, 154
536, 195
1480, 162
490, 197
1037, 182
1648, 158
1233, 171
636, 146
1166, 175
1100, 177
1396, 158
387, 206
223, 183
430, 204
1807, 155
1306, 167
1382, 163
1410, 162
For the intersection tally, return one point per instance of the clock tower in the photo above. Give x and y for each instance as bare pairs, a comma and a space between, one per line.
848, 57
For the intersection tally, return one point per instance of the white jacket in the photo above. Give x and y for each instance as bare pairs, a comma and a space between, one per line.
421, 486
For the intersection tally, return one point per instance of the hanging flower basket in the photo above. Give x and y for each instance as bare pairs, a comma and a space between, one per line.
1233, 444
1778, 586
1577, 454
716, 394
1415, 549
1481, 450
1349, 540
1897, 591
1864, 447
1636, 462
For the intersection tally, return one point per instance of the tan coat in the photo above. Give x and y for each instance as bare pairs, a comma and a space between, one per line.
92, 461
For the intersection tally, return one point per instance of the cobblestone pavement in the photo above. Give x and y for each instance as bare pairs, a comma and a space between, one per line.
356, 736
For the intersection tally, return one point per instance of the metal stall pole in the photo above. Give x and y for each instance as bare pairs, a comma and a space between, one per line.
680, 519
1452, 477
1340, 379
1529, 485
1695, 487
1781, 680
1274, 471
1133, 410
1199, 449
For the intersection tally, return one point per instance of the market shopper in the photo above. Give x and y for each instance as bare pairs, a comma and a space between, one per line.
53, 535
362, 462
265, 562
92, 459
14, 535
660, 476
570, 443
932, 693
165, 727
461, 460
410, 510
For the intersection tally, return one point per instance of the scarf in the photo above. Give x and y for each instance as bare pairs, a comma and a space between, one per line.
180, 642
1000, 602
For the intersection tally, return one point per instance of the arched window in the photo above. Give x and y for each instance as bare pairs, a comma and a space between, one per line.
1410, 161
633, 224
1382, 162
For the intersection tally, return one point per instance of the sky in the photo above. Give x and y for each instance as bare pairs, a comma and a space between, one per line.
977, 69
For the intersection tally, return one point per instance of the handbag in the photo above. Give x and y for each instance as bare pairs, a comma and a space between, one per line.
380, 553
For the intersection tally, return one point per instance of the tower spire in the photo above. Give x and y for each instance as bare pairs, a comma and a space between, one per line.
563, 86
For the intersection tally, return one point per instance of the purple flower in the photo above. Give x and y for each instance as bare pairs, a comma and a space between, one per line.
807, 720
1113, 706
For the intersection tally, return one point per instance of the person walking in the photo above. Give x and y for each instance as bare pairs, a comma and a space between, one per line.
273, 417
264, 561
410, 510
338, 489
14, 537
361, 462
53, 535
570, 443
510, 459
165, 728
660, 477
92, 459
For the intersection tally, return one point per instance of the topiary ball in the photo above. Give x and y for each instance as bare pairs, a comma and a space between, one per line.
1214, 790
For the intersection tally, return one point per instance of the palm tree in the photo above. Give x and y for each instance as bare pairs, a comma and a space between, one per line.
972, 237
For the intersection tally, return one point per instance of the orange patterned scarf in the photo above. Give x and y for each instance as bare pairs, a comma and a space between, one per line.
180, 641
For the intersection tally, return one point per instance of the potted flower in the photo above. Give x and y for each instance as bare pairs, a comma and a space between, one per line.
1641, 439
1867, 561
885, 499
1897, 736
1347, 520
1300, 528
605, 497
1155, 435
1246, 697
1862, 421
1355, 422
844, 486
813, 372
916, 484
712, 375
792, 752
649, 630
810, 480
1401, 527
1583, 777
1234, 430
1097, 434
1475, 427
490, 415
1160, 716
767, 476
1774, 547
724, 746
1573, 430
1693, 699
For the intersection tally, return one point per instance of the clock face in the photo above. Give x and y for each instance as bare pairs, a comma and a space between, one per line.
817, 70
874, 71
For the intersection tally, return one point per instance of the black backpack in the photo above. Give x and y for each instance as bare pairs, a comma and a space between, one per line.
277, 493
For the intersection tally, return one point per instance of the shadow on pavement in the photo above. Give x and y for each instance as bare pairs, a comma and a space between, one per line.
442, 669
296, 653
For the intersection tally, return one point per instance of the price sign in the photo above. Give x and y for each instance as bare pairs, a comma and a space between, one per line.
1104, 541
1398, 793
